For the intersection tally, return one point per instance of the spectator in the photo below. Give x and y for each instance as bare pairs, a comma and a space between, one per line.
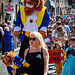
48, 38
51, 22
8, 42
36, 55
73, 31
70, 25
69, 66
67, 30
59, 66
10, 27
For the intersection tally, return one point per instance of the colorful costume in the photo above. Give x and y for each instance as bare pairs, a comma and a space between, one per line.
30, 18
69, 66
13, 62
59, 66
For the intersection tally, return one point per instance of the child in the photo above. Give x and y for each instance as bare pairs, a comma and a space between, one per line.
59, 66
69, 66
8, 42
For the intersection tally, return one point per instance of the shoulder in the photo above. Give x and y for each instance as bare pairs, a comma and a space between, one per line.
45, 51
66, 26
26, 51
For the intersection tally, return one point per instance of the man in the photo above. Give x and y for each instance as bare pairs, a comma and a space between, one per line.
67, 30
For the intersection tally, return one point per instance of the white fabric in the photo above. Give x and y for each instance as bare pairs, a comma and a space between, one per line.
31, 26
23, 61
43, 29
56, 35
17, 28
12, 64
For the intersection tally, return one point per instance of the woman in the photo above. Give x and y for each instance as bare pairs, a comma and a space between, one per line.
69, 66
36, 55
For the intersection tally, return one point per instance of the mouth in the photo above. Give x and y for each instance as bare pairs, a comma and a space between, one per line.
29, 5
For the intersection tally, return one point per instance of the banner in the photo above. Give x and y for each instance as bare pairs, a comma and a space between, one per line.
8, 7
55, 56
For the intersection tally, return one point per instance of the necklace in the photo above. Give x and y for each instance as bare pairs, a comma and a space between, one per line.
35, 49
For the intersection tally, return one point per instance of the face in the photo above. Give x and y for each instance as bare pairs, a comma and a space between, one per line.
33, 41
30, 4
58, 24
62, 22
57, 46
72, 42
51, 22
73, 29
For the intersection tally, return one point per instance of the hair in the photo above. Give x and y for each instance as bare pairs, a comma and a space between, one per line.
6, 28
40, 38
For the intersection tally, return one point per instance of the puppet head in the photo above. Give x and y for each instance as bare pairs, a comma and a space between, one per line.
8, 58
32, 5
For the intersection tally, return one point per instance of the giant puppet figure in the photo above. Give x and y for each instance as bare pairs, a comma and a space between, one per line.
32, 16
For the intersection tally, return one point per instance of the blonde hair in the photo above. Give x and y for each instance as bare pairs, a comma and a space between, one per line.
40, 38
6, 28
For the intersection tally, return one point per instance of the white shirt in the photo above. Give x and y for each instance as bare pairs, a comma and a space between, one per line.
56, 35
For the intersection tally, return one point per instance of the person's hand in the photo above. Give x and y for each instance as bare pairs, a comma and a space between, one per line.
13, 71
43, 33
16, 33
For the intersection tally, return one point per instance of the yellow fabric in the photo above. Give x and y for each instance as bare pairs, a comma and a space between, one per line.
27, 34
22, 14
26, 64
14, 66
63, 52
40, 16
13, 51
59, 67
25, 74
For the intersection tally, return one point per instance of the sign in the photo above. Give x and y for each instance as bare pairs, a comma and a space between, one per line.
47, 40
8, 7
55, 56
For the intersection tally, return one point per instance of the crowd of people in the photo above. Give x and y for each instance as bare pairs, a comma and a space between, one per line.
6, 37
59, 36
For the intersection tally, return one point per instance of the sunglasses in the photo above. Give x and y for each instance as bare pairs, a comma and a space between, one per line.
58, 23
62, 22
32, 39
